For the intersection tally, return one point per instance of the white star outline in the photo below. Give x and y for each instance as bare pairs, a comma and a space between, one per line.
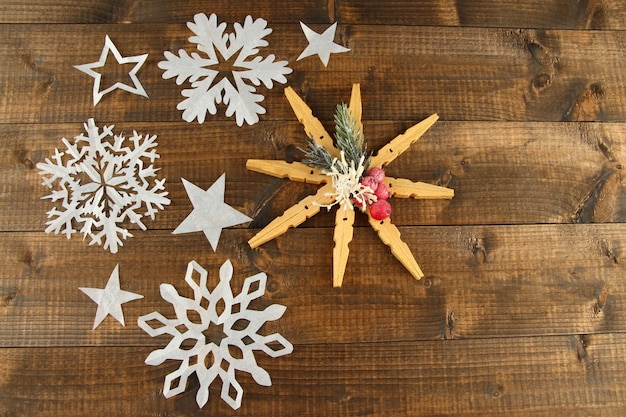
321, 45
210, 213
110, 299
109, 46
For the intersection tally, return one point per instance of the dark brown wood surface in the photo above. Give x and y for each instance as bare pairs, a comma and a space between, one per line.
522, 310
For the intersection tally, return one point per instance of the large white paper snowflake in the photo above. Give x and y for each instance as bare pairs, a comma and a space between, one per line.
237, 69
214, 342
101, 181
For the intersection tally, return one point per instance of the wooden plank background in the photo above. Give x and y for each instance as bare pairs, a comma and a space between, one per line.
522, 311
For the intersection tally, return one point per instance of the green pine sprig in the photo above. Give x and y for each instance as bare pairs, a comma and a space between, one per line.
317, 156
348, 139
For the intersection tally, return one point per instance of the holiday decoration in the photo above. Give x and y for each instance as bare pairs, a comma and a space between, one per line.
89, 69
321, 45
110, 299
351, 177
220, 341
102, 180
210, 214
215, 79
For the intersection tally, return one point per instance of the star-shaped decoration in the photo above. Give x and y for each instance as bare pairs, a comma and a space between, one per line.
110, 299
325, 196
89, 69
321, 45
210, 214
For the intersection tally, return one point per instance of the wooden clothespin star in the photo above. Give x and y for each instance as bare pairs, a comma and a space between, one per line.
346, 182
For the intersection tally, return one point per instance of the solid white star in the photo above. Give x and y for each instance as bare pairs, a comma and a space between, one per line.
321, 45
210, 214
89, 70
110, 299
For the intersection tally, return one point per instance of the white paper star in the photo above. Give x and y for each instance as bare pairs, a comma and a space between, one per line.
321, 45
89, 70
110, 299
210, 214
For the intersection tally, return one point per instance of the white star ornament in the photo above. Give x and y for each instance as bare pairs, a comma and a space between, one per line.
321, 45
210, 214
89, 69
110, 299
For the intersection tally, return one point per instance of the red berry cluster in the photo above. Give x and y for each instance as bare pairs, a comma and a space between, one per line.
379, 209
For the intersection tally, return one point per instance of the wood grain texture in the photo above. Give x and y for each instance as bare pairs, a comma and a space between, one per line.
159, 11
550, 14
522, 309
571, 376
459, 73
481, 282
563, 14
501, 173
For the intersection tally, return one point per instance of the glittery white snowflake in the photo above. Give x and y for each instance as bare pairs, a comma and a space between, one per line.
232, 83
212, 342
101, 181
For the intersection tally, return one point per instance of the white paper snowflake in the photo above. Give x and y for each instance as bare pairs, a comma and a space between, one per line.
102, 180
240, 70
217, 342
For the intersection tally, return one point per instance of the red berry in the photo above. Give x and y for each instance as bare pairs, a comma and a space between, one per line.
357, 202
382, 192
377, 173
369, 181
380, 210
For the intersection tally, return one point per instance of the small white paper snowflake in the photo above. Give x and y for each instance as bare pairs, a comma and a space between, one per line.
234, 82
102, 180
217, 342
